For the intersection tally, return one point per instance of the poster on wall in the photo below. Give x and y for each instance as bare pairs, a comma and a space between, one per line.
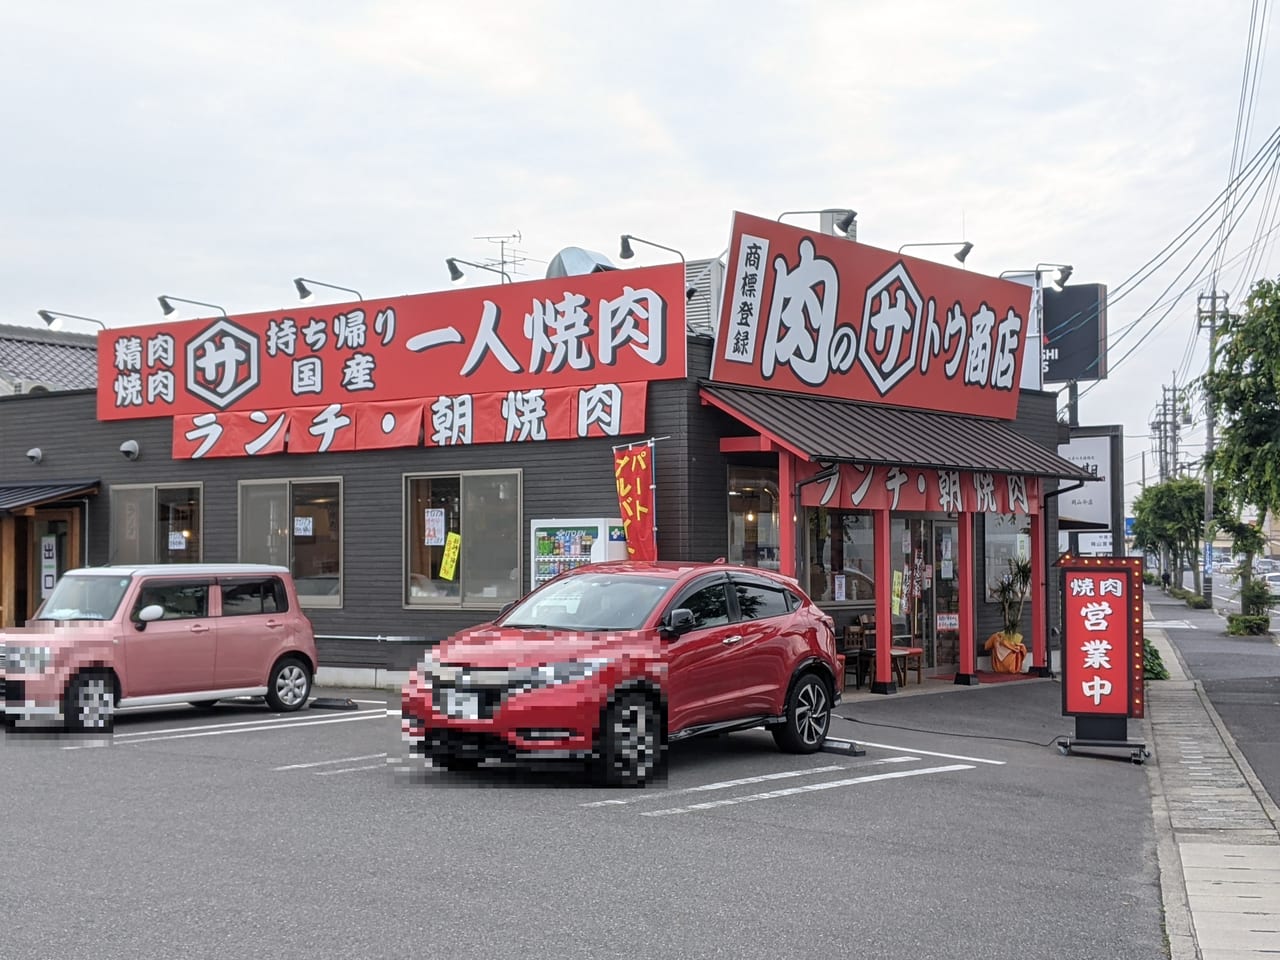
434, 527
1089, 507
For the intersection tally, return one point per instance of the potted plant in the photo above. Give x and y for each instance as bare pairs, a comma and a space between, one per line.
1006, 647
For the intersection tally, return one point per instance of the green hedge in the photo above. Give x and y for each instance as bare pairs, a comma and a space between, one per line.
1247, 625
1149, 578
1198, 602
1152, 663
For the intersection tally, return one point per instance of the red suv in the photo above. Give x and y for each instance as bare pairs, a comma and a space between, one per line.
609, 663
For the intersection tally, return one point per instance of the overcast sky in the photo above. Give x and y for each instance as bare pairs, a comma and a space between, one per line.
216, 150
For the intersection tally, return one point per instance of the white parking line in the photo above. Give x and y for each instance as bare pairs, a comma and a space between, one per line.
932, 753
264, 721
326, 763
729, 784
807, 788
259, 729
330, 773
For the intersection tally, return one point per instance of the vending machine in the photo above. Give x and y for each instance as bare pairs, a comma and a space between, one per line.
560, 545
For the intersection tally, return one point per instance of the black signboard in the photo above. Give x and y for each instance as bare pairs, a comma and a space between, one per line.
1075, 333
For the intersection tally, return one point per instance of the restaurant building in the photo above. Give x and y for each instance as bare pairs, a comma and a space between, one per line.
853, 418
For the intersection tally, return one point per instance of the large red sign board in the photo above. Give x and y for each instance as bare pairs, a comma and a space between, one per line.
516, 416
1102, 670
618, 326
862, 487
811, 313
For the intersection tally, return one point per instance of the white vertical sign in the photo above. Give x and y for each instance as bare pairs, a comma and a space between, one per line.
48, 565
744, 299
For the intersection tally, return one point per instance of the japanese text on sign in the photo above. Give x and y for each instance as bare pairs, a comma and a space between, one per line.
633, 477
1102, 657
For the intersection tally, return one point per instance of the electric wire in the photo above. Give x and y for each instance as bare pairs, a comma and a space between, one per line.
949, 733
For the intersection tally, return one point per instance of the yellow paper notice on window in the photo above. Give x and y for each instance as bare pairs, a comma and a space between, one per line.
449, 562
897, 592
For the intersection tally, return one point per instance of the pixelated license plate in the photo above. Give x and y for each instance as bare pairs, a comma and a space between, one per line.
462, 704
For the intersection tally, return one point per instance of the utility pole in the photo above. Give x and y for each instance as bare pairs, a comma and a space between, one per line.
1209, 317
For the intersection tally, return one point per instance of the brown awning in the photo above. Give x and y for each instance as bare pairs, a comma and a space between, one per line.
15, 496
841, 431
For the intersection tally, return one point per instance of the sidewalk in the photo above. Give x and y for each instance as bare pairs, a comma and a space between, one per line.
1217, 832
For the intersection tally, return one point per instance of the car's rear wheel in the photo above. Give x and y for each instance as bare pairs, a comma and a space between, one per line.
91, 703
630, 742
289, 685
808, 717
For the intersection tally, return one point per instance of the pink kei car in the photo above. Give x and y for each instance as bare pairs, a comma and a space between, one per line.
123, 636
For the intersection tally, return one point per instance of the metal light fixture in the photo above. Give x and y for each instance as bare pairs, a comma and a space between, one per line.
841, 218
305, 293
1064, 272
961, 254
50, 317
455, 274
690, 290
167, 306
627, 253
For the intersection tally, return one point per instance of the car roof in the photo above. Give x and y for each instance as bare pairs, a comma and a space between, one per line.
677, 569
182, 569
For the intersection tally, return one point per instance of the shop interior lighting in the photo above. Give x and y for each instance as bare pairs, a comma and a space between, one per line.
843, 223
305, 292
626, 253
965, 247
50, 317
167, 306
455, 274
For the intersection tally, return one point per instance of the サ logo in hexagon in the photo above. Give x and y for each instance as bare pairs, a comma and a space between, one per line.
222, 364
891, 320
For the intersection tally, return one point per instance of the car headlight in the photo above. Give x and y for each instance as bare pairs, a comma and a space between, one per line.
27, 659
552, 674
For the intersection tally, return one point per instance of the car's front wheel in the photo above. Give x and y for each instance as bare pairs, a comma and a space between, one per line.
808, 717
630, 741
289, 685
91, 703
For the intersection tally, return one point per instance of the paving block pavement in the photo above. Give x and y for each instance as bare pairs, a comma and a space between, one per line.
1218, 831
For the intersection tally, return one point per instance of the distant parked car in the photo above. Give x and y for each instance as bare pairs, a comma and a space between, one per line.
1272, 581
121, 636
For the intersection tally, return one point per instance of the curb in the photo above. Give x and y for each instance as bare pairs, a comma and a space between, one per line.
361, 678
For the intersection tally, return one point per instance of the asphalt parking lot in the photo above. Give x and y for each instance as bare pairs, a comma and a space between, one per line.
240, 832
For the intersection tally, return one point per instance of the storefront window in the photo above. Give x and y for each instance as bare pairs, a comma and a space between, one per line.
156, 524
296, 524
1004, 537
483, 510
839, 555
753, 517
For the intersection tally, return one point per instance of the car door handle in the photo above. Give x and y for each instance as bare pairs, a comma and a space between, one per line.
199, 628
736, 638
275, 623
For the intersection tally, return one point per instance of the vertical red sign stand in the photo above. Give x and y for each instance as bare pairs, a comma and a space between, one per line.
1102, 651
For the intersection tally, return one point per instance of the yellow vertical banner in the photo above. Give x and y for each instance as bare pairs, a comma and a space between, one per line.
449, 562
897, 592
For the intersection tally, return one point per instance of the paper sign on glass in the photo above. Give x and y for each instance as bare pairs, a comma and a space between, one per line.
434, 527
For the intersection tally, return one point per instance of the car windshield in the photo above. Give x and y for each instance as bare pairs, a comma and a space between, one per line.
590, 602
84, 597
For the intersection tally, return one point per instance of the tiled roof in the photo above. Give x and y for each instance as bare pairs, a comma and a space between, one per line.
64, 361
823, 428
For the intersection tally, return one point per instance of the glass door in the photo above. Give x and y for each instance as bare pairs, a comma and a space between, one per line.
913, 576
946, 595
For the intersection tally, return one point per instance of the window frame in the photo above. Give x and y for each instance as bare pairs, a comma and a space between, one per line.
167, 581
278, 588
461, 602
760, 583
154, 518
304, 600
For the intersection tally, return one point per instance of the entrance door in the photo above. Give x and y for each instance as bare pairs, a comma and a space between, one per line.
53, 548
946, 595
913, 581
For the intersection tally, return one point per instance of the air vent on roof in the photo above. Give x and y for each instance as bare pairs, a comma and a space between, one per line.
33, 386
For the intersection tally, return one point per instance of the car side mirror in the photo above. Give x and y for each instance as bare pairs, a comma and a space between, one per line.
679, 622
152, 611
506, 608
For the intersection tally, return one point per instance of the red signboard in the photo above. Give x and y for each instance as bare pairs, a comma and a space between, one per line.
633, 473
811, 313
617, 326
1102, 672
515, 416
860, 487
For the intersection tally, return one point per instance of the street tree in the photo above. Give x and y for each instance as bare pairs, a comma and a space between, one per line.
1169, 517
1244, 392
